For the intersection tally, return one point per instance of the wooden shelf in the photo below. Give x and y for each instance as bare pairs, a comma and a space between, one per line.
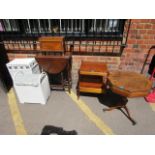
91, 77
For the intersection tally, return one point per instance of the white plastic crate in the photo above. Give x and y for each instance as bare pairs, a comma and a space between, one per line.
32, 88
26, 65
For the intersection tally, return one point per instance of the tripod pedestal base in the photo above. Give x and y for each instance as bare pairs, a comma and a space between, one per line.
120, 108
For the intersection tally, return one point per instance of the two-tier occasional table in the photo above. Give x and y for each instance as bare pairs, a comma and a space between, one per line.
92, 77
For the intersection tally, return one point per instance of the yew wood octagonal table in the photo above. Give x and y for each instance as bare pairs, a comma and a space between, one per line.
128, 84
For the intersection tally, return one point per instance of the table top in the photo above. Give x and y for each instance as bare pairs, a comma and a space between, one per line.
129, 83
93, 68
52, 64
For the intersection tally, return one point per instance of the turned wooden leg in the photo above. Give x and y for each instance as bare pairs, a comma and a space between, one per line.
77, 88
62, 80
69, 88
69, 78
78, 93
125, 108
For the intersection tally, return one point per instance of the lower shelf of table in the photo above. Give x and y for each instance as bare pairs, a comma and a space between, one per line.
91, 84
91, 90
90, 87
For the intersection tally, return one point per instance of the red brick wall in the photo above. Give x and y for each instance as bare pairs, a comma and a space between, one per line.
141, 38
12, 56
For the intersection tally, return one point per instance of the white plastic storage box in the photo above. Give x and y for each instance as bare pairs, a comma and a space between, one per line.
27, 65
32, 88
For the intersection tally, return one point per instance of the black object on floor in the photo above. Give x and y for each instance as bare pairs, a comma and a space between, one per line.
49, 129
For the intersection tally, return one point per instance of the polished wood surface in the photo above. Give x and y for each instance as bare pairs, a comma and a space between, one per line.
93, 68
129, 84
54, 44
52, 64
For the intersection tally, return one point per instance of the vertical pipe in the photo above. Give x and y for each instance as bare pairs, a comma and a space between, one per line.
24, 22
80, 26
44, 26
63, 25
29, 27
1, 26
83, 25
106, 25
128, 31
60, 26
80, 30
84, 21
72, 25
49, 25
94, 24
4, 25
34, 28
126, 37
101, 21
39, 26
112, 25
10, 23
94, 34
10, 29
68, 28
76, 28
116, 30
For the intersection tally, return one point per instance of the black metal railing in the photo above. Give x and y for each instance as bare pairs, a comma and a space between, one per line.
86, 36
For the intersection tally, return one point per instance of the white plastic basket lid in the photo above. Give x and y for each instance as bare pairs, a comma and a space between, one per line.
22, 61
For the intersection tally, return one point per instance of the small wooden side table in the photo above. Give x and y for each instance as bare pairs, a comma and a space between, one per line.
54, 66
92, 77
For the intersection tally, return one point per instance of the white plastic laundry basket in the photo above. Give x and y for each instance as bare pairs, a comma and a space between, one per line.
32, 88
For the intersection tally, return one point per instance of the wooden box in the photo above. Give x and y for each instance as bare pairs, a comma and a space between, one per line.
54, 44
